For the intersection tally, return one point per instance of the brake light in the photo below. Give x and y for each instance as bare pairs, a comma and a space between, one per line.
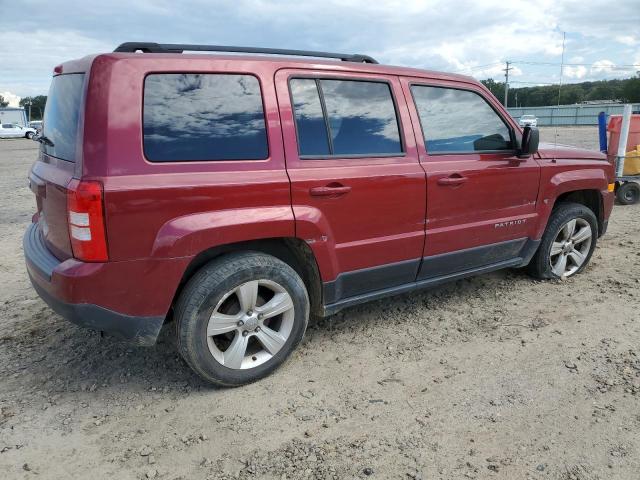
85, 215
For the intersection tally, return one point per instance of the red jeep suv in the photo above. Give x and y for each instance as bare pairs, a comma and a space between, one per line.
242, 194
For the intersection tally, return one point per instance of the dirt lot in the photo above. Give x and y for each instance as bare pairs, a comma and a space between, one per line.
498, 376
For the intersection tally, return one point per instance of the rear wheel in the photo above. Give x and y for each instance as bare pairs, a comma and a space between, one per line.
628, 193
240, 317
567, 244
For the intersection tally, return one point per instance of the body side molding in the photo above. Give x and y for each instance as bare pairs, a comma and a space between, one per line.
494, 260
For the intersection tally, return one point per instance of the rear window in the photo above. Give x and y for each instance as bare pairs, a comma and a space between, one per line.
196, 117
62, 115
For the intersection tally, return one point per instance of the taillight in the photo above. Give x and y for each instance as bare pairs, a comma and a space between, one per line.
85, 215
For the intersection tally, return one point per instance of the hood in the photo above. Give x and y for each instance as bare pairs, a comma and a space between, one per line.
551, 150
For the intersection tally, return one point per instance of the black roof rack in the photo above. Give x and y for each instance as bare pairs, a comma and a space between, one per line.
149, 47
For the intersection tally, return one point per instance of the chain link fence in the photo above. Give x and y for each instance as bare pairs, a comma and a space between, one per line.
570, 115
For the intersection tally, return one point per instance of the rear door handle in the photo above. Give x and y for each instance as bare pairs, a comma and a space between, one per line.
331, 190
453, 180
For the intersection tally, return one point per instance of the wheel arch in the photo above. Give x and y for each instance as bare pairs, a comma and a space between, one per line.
590, 198
293, 251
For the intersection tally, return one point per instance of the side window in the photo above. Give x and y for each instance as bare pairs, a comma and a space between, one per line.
347, 117
455, 120
192, 117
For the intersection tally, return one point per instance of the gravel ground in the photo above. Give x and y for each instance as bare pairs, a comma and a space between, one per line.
585, 137
497, 376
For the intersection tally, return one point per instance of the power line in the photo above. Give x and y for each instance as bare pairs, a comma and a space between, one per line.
624, 67
555, 64
479, 67
532, 83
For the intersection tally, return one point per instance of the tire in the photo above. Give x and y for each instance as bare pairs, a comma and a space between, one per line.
29, 135
628, 193
213, 327
575, 247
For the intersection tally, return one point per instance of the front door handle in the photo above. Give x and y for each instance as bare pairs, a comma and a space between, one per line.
331, 190
452, 181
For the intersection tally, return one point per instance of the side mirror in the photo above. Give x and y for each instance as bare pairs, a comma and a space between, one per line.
530, 141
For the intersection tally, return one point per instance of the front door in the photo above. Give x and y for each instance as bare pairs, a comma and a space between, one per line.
481, 197
9, 131
358, 189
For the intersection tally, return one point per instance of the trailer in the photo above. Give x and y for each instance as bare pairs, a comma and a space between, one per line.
623, 145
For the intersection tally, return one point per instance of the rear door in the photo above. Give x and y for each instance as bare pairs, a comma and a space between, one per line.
481, 197
358, 190
57, 160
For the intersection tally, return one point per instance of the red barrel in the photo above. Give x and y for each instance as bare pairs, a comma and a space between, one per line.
614, 127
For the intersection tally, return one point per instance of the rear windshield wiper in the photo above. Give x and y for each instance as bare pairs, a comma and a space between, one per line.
44, 140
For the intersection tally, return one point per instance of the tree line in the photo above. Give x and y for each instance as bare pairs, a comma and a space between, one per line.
37, 105
623, 90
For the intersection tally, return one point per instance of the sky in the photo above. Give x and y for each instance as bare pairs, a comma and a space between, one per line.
469, 37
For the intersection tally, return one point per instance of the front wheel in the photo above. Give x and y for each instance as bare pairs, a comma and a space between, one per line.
240, 317
567, 244
30, 135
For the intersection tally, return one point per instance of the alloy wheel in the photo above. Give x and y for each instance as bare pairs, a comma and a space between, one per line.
570, 249
250, 324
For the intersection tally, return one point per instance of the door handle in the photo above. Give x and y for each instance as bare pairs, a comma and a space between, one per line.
452, 181
331, 190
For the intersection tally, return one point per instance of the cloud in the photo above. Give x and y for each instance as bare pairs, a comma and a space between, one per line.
433, 34
603, 66
628, 40
28, 69
14, 100
578, 72
599, 70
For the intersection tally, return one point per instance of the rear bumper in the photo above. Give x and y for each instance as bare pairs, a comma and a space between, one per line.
127, 299
138, 330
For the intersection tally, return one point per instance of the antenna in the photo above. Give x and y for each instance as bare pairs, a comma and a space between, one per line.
561, 66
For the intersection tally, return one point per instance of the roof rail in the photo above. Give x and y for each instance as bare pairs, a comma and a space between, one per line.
149, 47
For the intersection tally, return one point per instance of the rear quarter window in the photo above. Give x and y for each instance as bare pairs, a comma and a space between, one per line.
200, 117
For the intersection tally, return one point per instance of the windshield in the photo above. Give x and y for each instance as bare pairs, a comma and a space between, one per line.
61, 116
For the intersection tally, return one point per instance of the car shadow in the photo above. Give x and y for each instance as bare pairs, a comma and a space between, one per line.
68, 359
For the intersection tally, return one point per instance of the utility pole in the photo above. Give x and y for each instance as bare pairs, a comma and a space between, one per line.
506, 83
